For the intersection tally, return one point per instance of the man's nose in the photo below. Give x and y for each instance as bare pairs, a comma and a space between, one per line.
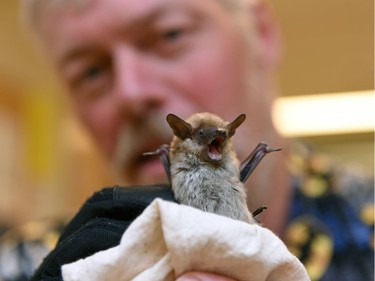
137, 82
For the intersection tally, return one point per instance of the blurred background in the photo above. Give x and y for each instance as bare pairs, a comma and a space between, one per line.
48, 165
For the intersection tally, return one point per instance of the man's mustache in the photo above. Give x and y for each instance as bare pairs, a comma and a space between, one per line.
133, 139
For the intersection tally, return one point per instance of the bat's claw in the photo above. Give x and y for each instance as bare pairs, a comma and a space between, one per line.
150, 153
163, 153
259, 210
269, 149
164, 148
252, 161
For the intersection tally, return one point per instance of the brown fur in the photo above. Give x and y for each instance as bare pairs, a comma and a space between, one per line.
209, 182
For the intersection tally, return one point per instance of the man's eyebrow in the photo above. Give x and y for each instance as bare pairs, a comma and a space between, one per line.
148, 17
133, 26
74, 53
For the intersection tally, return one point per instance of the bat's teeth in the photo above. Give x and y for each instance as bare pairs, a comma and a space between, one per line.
214, 151
214, 156
218, 141
215, 148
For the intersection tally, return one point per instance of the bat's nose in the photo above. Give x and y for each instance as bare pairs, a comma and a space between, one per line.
221, 133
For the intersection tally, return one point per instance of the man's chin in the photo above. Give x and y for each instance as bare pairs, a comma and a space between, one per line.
146, 173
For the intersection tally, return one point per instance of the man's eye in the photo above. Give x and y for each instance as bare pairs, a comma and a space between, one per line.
172, 35
92, 72
93, 80
170, 42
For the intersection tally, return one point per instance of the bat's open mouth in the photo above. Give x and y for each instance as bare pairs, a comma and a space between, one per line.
215, 148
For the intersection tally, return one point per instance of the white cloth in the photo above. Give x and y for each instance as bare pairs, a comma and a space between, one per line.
169, 239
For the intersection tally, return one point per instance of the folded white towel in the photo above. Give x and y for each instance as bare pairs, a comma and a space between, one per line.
169, 239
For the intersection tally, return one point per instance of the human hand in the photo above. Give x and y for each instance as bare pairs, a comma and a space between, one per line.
202, 276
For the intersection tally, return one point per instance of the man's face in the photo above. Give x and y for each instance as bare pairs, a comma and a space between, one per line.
129, 63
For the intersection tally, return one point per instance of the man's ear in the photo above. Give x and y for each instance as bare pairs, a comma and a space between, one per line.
268, 31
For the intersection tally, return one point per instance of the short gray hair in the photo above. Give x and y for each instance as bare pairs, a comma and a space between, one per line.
32, 10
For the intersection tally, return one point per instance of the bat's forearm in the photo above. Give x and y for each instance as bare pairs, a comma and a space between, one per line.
252, 161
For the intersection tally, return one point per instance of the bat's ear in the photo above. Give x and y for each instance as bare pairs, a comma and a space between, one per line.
180, 128
235, 124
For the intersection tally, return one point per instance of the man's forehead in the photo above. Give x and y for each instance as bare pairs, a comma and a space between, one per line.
65, 20
34, 8
87, 21
90, 20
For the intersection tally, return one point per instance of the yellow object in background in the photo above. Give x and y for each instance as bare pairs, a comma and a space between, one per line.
40, 119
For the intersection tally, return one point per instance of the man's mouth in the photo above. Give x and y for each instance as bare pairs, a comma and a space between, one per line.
134, 139
145, 170
148, 165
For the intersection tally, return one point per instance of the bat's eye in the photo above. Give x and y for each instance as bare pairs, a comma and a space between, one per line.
201, 132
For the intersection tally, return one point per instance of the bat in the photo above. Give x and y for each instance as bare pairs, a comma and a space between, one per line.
202, 166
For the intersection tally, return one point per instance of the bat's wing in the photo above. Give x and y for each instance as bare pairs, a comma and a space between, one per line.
163, 153
252, 161
249, 165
